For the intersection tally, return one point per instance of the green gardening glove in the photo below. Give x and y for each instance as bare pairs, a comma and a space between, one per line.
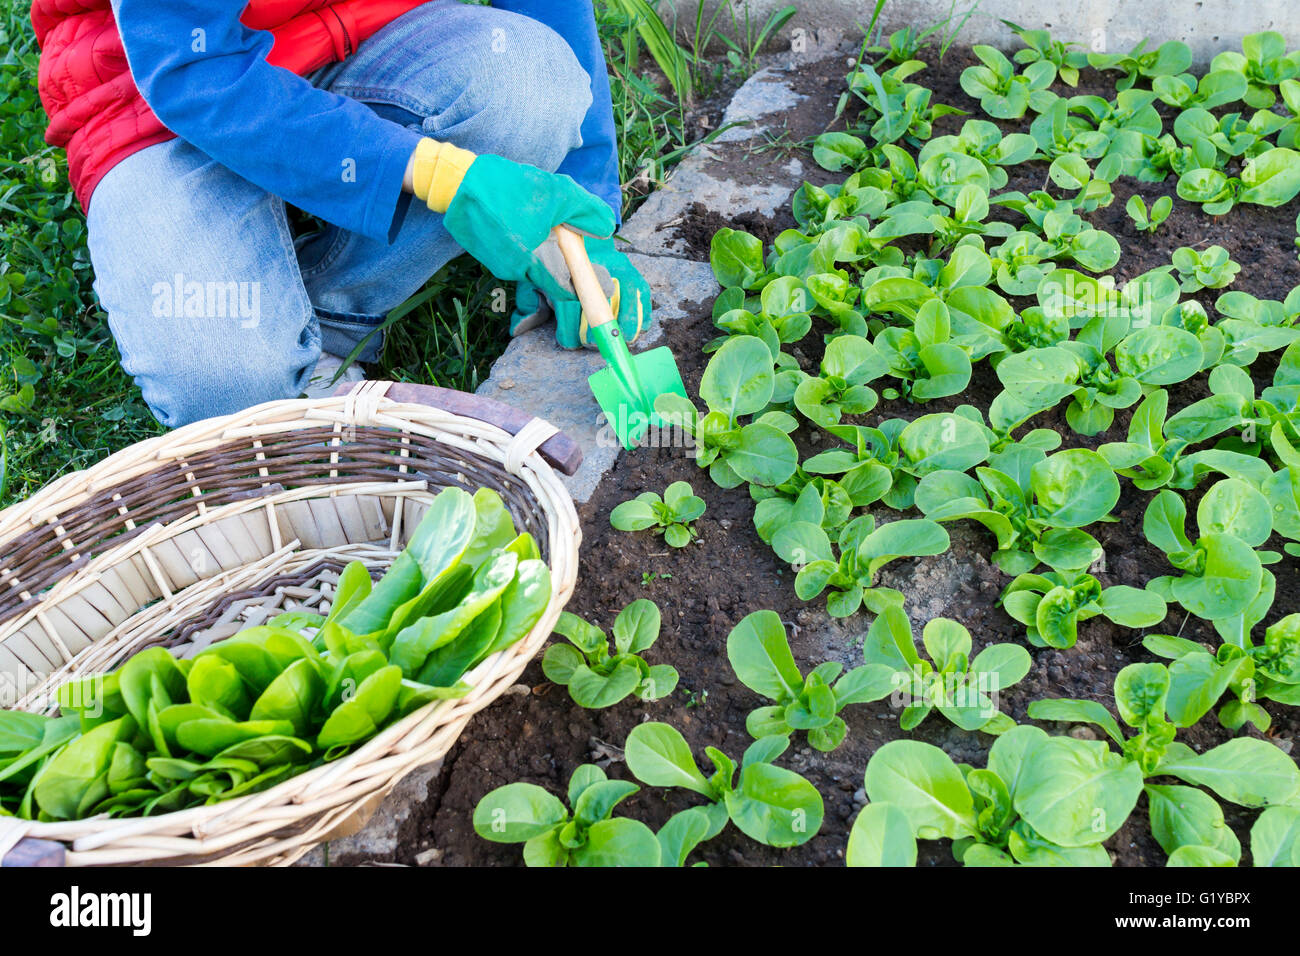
627, 291
502, 212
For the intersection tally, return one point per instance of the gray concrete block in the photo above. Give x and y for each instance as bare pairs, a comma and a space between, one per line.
1104, 26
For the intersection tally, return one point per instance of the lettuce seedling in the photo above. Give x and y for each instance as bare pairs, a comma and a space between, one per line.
1039, 46
836, 151
1214, 141
918, 793
1065, 235
899, 453
770, 804
969, 214
1222, 571
1063, 780
1003, 93
1148, 220
818, 499
1072, 173
841, 387
738, 381
1051, 605
1247, 671
1020, 264
554, 835
923, 358
962, 690
779, 315
1214, 89
863, 550
1169, 59
1151, 459
737, 259
670, 515
894, 109
760, 656
1272, 178
1036, 510
1082, 371
976, 314
595, 677
1251, 326
904, 44
984, 141
1263, 63
1058, 131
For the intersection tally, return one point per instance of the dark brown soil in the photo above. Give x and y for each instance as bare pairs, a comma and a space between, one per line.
705, 589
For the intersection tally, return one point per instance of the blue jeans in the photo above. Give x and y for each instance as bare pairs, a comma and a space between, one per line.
216, 307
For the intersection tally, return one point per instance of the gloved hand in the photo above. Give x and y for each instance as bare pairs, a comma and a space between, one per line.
502, 212
627, 291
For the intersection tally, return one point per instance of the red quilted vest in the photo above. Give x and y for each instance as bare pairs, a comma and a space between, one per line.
98, 115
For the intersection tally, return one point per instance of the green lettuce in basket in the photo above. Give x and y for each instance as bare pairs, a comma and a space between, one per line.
161, 734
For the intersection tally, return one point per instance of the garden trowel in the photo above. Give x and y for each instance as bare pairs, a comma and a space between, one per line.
627, 387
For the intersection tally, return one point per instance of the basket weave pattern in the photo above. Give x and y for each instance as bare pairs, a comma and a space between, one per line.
155, 542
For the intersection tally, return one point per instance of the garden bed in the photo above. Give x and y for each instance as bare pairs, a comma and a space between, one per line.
539, 735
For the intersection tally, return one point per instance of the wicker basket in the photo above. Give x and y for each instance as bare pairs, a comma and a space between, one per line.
156, 544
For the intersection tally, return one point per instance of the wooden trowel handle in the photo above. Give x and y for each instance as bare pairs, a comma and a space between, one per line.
585, 283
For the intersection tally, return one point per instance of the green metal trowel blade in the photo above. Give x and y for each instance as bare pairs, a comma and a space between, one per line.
626, 390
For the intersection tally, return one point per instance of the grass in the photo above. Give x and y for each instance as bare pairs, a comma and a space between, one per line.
65, 402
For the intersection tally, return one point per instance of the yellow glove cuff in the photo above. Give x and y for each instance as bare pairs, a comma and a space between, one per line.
438, 171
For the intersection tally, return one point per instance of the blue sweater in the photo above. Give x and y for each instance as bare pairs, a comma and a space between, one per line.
268, 124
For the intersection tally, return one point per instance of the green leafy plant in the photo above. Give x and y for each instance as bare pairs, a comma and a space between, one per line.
885, 463
962, 689
759, 653
893, 109
1152, 459
1068, 773
1263, 62
1003, 93
1209, 268
1171, 58
1214, 89
1039, 45
767, 803
595, 677
555, 835
1081, 369
670, 515
1148, 220
1058, 131
918, 793
1222, 571
1051, 605
1071, 173
1271, 178
1247, 671
738, 381
863, 550
1036, 509
840, 388
161, 734
924, 358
